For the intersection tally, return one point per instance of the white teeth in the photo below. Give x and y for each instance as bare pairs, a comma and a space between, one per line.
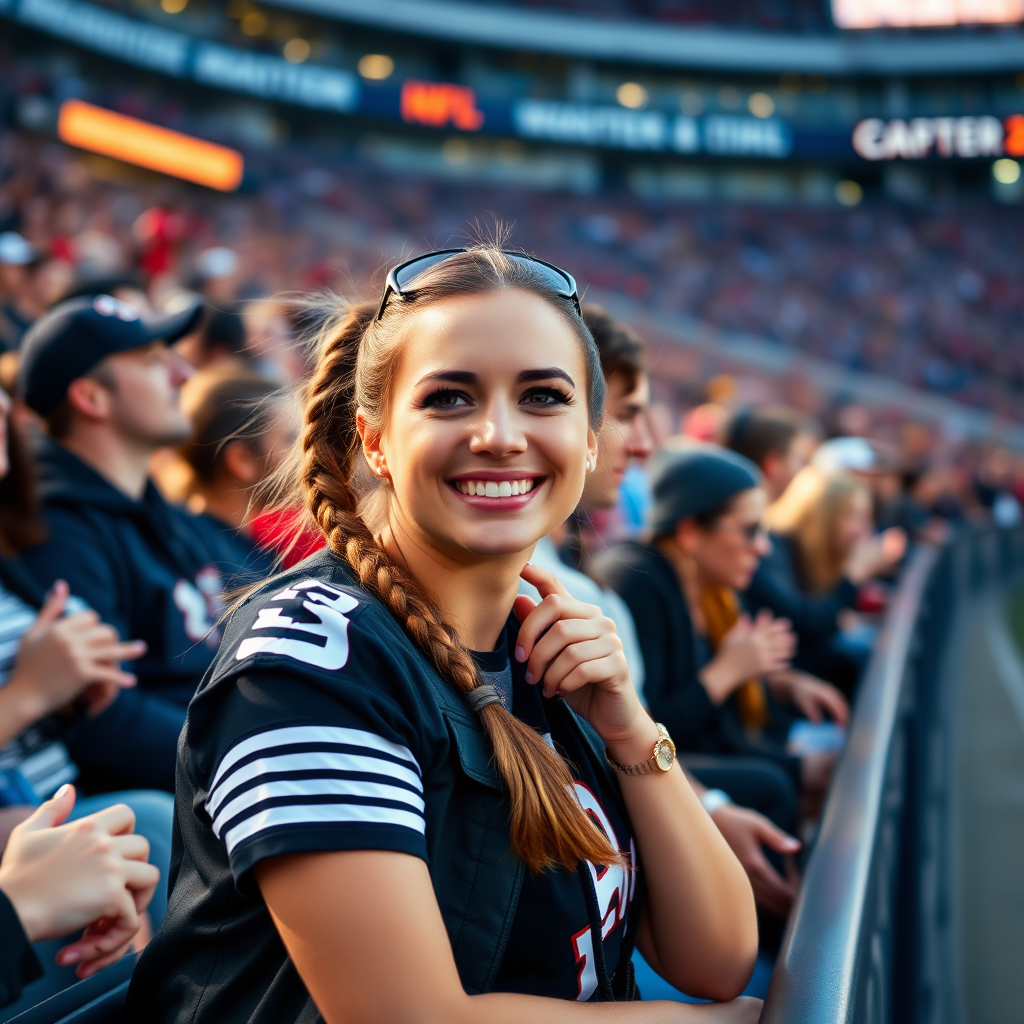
494, 488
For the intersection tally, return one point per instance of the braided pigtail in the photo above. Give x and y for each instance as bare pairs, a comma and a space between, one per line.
547, 824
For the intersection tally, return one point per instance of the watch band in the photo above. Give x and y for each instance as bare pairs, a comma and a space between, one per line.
653, 763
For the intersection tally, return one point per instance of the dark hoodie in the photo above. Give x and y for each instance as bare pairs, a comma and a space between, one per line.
148, 572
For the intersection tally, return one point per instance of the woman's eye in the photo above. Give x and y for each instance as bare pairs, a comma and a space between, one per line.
445, 399
545, 396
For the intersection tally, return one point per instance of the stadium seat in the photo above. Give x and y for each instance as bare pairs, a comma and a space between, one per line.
97, 1000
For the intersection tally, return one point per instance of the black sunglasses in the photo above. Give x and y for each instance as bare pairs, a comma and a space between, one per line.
401, 277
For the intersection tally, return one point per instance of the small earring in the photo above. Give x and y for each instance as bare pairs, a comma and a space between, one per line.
589, 466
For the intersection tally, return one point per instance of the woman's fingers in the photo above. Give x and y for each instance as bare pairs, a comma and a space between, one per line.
553, 608
547, 583
557, 675
131, 846
559, 636
113, 650
834, 704
115, 820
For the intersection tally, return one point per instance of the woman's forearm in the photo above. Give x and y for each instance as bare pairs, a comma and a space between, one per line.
700, 905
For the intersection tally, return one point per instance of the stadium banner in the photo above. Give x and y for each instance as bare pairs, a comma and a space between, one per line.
450, 107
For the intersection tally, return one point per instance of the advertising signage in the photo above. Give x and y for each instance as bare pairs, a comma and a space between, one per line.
449, 107
921, 138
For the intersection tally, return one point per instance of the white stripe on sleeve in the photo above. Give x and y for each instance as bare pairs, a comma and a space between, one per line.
325, 734
339, 776
276, 817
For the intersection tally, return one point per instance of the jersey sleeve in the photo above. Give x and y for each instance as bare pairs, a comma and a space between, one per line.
316, 749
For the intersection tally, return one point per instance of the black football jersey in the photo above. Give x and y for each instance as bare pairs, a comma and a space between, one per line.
316, 729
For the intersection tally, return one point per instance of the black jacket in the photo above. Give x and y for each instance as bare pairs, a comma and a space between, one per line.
145, 569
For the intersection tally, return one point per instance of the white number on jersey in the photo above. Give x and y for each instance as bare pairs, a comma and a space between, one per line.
307, 623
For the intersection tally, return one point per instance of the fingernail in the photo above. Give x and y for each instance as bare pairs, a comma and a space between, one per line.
529, 678
520, 653
68, 957
138, 645
63, 791
128, 679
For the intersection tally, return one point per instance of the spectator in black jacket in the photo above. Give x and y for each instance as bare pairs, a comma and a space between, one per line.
107, 386
780, 441
705, 661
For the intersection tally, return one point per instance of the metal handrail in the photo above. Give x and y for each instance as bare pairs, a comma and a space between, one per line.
833, 967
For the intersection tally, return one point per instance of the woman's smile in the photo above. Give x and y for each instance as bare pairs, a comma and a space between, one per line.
497, 490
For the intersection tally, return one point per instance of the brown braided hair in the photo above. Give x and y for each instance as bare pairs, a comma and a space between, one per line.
354, 369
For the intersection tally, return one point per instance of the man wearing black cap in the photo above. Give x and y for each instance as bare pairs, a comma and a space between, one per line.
106, 384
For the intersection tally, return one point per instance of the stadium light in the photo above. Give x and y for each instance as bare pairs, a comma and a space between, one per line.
148, 145
376, 66
849, 193
1006, 171
761, 104
296, 50
173, 6
632, 95
254, 23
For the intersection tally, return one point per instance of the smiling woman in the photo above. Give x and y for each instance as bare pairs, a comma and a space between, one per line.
401, 770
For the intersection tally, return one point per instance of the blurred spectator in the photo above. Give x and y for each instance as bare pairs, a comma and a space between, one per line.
220, 339
825, 550
217, 276
707, 663
56, 879
778, 440
18, 305
242, 427
107, 388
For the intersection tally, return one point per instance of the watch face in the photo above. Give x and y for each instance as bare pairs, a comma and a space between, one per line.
664, 755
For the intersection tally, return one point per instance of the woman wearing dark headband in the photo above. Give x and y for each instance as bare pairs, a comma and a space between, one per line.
405, 793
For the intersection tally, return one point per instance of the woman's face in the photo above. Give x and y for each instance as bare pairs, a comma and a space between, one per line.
854, 522
5, 414
487, 436
728, 553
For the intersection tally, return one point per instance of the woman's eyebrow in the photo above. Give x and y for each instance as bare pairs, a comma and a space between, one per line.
450, 377
529, 376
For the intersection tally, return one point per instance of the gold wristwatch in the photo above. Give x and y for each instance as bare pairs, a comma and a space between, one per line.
663, 758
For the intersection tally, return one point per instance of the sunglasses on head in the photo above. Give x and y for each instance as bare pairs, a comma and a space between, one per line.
402, 278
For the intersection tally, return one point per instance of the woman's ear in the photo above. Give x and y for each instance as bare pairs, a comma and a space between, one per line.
592, 449
371, 441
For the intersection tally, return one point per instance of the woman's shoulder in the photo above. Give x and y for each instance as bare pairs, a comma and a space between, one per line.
317, 623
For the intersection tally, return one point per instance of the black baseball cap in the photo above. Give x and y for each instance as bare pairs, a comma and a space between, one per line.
70, 339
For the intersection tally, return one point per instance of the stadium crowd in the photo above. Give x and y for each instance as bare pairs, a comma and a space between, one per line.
152, 396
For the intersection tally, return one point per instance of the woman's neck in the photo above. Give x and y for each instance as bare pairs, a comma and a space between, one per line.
475, 597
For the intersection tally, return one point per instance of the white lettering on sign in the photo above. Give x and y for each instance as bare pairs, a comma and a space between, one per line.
922, 137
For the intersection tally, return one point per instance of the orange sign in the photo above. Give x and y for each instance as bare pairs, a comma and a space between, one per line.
148, 145
438, 104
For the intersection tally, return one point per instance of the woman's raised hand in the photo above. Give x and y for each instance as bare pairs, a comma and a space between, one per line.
571, 649
61, 658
